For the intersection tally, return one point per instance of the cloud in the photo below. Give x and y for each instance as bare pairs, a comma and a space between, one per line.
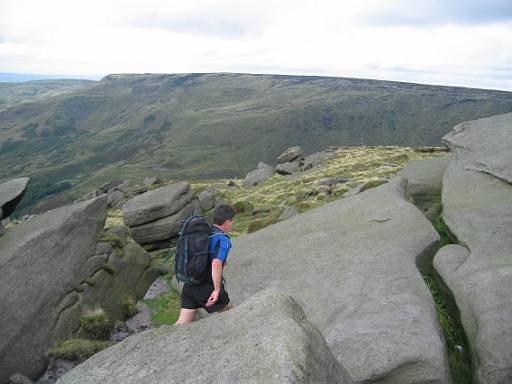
428, 12
288, 37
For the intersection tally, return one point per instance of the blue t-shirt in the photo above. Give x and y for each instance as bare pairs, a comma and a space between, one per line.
220, 244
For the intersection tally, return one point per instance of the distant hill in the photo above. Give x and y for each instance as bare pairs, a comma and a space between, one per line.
219, 125
12, 93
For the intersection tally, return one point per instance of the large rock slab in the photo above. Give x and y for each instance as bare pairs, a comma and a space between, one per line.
267, 339
156, 204
351, 264
291, 154
425, 181
11, 193
165, 228
261, 174
288, 168
477, 201
41, 262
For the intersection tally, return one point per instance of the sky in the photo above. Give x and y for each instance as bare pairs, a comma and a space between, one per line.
446, 42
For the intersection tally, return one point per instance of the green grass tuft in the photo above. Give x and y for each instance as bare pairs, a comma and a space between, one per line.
78, 349
164, 309
459, 358
95, 324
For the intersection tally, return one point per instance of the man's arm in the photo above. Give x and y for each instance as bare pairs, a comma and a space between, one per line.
217, 267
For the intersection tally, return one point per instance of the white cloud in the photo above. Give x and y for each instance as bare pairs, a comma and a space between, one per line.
289, 37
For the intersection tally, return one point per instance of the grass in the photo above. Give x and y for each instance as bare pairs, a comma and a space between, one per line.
459, 358
164, 309
95, 324
78, 349
359, 165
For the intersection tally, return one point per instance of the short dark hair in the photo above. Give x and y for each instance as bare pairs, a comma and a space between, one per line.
223, 213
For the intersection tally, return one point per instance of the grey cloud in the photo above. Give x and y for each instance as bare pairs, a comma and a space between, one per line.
425, 12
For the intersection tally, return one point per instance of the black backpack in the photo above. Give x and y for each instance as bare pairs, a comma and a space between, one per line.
192, 264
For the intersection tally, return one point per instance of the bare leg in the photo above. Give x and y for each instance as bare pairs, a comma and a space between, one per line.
186, 316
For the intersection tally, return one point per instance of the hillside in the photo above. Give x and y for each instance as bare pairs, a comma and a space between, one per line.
12, 93
219, 125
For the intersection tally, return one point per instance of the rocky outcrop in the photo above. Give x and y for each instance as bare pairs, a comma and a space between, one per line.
291, 154
118, 192
265, 340
261, 174
288, 168
154, 217
290, 161
316, 159
11, 193
288, 213
121, 270
425, 180
477, 201
206, 200
151, 180
42, 261
352, 266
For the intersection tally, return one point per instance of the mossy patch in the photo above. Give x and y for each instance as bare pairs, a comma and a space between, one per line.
78, 349
112, 239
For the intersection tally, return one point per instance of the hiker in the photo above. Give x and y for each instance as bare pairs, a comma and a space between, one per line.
211, 295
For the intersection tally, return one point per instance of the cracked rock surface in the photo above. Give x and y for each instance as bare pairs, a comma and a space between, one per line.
352, 265
477, 201
41, 262
267, 339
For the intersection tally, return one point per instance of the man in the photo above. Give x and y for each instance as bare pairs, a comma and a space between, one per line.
211, 295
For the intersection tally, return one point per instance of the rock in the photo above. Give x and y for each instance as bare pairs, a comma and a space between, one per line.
156, 204
259, 175
261, 210
2, 230
104, 248
151, 180
18, 378
288, 213
11, 193
371, 184
330, 181
288, 168
477, 201
206, 200
233, 184
283, 348
42, 260
119, 231
425, 180
430, 149
315, 160
114, 198
111, 290
290, 154
352, 266
161, 229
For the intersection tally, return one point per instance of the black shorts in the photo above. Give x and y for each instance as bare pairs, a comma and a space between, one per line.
196, 296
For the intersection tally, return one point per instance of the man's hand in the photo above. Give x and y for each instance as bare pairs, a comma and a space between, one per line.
213, 298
